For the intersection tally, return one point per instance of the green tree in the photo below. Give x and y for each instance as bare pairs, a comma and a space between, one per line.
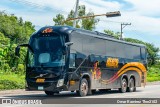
111, 33
3, 50
88, 23
14, 28
13, 31
59, 20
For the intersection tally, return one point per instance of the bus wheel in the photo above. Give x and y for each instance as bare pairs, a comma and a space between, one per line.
123, 88
83, 89
131, 87
134, 89
49, 93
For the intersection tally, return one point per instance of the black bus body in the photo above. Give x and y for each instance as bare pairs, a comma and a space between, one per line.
62, 58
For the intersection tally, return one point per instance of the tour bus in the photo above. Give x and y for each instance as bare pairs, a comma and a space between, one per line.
62, 58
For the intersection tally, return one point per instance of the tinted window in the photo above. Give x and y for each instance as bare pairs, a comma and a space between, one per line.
132, 52
88, 44
47, 51
143, 53
77, 41
110, 48
72, 60
50, 43
100, 46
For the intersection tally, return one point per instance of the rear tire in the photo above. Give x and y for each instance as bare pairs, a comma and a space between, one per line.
83, 88
131, 87
134, 89
124, 85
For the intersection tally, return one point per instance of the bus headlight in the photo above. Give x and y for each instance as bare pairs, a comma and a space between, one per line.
60, 82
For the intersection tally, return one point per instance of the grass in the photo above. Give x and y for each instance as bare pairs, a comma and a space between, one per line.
153, 74
11, 81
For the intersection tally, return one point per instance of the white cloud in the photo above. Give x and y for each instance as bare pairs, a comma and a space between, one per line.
101, 6
140, 14
143, 26
146, 7
142, 23
64, 6
61, 5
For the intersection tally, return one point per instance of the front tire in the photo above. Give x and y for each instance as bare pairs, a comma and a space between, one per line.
124, 85
83, 88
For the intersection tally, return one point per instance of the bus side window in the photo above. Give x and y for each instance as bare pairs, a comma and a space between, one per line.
143, 54
72, 60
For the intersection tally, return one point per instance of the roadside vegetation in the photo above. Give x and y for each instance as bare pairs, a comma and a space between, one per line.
154, 73
14, 31
11, 81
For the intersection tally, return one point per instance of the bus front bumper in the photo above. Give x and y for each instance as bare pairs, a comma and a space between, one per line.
32, 85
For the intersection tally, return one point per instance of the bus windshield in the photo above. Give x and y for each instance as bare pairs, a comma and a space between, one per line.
47, 51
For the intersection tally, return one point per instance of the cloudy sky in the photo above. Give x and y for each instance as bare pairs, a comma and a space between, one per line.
143, 14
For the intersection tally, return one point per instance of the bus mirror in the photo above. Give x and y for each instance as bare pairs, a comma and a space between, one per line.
68, 43
17, 51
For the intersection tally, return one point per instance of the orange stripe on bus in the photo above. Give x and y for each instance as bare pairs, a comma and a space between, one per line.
129, 67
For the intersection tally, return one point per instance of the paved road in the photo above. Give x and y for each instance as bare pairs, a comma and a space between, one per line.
150, 91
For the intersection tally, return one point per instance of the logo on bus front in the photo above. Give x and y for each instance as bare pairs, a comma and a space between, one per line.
47, 30
112, 62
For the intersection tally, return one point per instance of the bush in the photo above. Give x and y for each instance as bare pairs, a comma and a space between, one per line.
6, 67
153, 73
12, 81
7, 84
20, 69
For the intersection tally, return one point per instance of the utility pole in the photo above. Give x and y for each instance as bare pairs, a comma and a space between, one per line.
76, 13
123, 25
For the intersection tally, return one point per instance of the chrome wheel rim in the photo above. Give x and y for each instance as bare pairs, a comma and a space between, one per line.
84, 88
124, 86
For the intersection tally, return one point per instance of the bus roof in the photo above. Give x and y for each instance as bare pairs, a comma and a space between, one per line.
69, 30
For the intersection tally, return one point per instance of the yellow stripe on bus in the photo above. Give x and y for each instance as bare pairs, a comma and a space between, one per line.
126, 70
132, 66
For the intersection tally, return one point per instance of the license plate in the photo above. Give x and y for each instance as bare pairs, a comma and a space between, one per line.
40, 87
40, 80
